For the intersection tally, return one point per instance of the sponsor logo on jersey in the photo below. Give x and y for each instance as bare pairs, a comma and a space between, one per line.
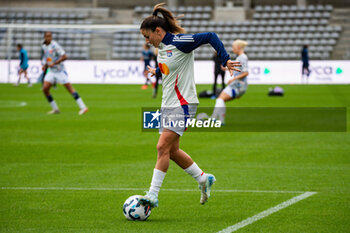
164, 68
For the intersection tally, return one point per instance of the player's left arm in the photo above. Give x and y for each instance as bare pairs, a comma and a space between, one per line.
59, 60
244, 70
154, 71
187, 43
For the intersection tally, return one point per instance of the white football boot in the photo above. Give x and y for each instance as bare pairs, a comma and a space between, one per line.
53, 111
206, 187
150, 199
83, 111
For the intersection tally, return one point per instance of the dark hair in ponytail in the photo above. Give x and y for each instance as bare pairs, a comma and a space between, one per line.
168, 22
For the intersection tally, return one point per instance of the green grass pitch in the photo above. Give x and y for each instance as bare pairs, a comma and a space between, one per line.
106, 149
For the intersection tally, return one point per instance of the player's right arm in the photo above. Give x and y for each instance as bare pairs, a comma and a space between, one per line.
59, 60
61, 53
43, 59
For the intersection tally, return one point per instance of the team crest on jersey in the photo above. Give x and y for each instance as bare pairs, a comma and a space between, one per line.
169, 53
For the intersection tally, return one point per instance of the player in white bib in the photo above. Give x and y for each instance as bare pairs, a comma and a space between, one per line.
237, 86
176, 66
53, 56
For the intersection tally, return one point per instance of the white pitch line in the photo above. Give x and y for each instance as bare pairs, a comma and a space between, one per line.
142, 189
266, 212
12, 104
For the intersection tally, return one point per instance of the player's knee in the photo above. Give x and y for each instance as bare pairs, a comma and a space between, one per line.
222, 97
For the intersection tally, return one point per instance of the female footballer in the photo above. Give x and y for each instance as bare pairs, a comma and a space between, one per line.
237, 86
179, 100
53, 57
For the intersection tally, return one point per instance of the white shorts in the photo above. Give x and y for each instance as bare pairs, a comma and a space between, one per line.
236, 89
57, 77
175, 118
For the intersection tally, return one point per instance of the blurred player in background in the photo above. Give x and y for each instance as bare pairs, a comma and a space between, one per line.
146, 57
179, 101
23, 65
305, 60
158, 77
237, 86
52, 61
218, 70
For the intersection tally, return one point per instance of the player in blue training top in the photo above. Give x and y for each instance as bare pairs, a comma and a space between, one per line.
179, 101
23, 65
146, 57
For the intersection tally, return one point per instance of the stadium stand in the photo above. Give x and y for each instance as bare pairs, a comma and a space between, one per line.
276, 32
75, 44
273, 32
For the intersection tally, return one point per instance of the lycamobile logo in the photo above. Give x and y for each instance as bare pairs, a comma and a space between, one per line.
266, 71
339, 71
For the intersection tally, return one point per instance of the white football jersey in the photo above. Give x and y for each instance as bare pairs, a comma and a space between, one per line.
176, 65
243, 60
51, 53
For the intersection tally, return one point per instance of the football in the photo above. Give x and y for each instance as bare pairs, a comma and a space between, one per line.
134, 211
202, 116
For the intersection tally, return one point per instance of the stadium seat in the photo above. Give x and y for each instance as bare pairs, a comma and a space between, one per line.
138, 9
329, 8
337, 28
320, 8
258, 8
284, 8
293, 8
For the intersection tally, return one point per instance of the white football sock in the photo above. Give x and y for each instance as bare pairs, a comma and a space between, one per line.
219, 110
196, 173
54, 105
80, 103
157, 180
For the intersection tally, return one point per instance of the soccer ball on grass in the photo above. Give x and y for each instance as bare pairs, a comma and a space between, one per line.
134, 211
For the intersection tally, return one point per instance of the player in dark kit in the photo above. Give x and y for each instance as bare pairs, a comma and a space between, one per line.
158, 77
305, 60
146, 57
218, 70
